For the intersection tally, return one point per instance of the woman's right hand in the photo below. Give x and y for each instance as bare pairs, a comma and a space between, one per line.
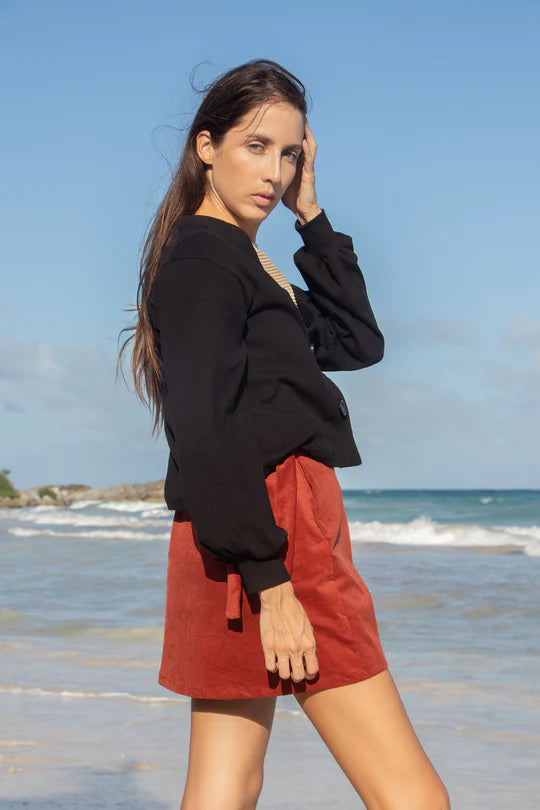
286, 634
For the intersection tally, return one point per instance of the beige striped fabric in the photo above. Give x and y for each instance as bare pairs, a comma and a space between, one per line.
273, 271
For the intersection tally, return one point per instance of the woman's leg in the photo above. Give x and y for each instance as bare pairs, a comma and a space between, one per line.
369, 734
226, 753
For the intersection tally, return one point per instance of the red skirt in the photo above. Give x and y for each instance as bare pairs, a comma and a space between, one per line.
212, 644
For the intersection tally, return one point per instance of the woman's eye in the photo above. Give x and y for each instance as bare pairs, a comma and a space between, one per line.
292, 154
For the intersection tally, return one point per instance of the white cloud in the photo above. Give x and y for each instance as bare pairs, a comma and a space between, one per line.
66, 418
477, 426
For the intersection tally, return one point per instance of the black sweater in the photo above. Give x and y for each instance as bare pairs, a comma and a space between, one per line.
243, 381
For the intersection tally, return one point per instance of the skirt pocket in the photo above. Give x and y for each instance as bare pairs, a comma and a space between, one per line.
326, 499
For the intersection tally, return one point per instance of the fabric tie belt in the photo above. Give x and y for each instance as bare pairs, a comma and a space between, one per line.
233, 608
281, 484
286, 472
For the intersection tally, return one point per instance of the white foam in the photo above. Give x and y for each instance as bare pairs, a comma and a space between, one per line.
159, 511
19, 531
36, 691
426, 532
83, 504
63, 517
128, 506
148, 508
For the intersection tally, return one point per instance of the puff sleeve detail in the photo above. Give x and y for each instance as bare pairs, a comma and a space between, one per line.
335, 307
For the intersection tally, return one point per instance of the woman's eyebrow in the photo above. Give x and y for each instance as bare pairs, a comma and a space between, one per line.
260, 137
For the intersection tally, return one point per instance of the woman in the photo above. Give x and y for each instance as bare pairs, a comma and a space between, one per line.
262, 595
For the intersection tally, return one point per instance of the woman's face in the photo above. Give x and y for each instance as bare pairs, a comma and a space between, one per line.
259, 155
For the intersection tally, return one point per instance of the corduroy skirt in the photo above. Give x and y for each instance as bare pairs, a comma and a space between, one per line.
212, 644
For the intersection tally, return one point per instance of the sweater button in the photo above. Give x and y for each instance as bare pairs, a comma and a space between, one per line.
343, 407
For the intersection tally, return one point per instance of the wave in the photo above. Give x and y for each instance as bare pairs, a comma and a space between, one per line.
10, 619
146, 508
20, 531
139, 634
134, 506
63, 517
426, 532
37, 691
13, 620
422, 531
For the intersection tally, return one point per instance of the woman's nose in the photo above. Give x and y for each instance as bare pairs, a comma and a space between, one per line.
273, 169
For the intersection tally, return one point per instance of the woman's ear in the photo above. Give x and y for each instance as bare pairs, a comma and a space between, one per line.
205, 149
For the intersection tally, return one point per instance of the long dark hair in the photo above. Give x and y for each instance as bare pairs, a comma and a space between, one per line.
226, 100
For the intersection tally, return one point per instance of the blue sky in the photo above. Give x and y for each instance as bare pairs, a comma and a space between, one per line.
426, 117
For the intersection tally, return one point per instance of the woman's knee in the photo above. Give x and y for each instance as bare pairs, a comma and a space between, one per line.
427, 795
368, 731
242, 795
430, 797
236, 789
444, 798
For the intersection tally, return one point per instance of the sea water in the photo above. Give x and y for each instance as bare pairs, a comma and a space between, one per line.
454, 577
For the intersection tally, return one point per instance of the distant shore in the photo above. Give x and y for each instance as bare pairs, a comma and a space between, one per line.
65, 495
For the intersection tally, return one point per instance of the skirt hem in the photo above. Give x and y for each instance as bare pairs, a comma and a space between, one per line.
286, 687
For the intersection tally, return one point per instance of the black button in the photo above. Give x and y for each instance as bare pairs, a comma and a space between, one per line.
343, 407
312, 347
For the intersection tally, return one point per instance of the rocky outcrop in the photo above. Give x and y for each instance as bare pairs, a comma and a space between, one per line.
65, 495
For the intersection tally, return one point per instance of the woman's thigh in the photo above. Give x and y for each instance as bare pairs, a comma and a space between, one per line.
369, 733
228, 742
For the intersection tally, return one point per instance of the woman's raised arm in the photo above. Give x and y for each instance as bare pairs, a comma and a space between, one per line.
335, 307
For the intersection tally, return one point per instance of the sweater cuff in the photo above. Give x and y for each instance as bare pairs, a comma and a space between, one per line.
317, 232
259, 574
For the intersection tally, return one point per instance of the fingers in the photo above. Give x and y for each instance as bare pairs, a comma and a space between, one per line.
290, 664
287, 635
294, 667
312, 664
270, 660
284, 668
310, 144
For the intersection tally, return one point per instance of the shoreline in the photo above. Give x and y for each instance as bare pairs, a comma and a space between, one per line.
66, 495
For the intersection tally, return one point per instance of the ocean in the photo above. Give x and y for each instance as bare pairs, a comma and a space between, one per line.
454, 577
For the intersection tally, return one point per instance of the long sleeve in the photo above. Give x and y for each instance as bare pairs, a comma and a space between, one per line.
335, 308
201, 316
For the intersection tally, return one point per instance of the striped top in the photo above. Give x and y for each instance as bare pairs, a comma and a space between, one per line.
273, 271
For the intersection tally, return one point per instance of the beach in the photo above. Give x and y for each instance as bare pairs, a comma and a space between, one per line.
454, 578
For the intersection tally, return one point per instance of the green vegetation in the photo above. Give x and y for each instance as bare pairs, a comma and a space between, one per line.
7, 490
42, 491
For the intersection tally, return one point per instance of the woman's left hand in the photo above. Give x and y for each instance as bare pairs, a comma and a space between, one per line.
301, 196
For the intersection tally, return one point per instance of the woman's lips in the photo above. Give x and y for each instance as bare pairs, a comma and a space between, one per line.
262, 200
